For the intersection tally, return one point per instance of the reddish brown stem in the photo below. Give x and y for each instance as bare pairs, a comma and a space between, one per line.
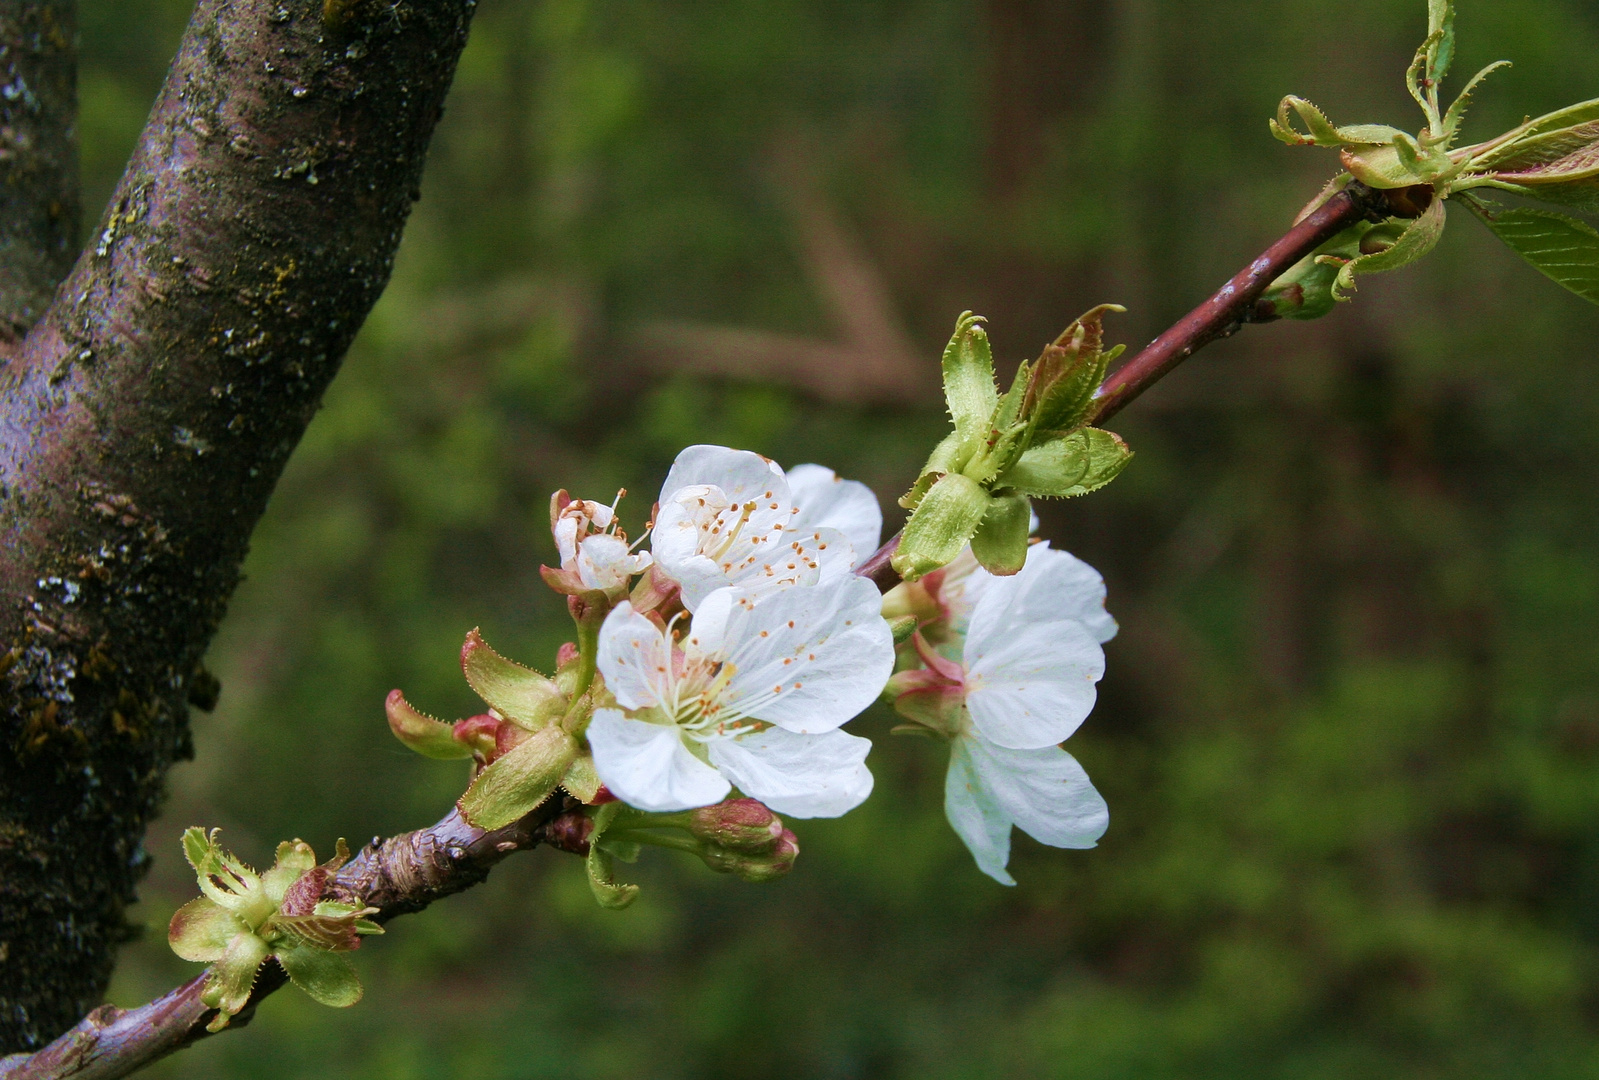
1228, 309
403, 874
1233, 304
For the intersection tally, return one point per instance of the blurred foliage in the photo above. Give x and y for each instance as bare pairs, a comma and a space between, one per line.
1350, 732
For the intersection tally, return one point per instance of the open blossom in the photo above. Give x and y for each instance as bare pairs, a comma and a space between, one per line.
594, 551
1015, 677
731, 517
751, 696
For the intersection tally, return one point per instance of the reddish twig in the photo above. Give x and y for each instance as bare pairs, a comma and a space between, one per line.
1233, 304
1227, 309
403, 874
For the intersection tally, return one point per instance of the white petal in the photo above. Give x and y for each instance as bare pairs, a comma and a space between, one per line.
647, 765
1035, 687
975, 816
808, 659
603, 562
826, 501
725, 519
634, 658
1045, 792
739, 473
803, 776
1051, 585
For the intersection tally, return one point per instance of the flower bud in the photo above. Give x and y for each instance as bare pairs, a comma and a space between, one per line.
738, 825
570, 832
763, 866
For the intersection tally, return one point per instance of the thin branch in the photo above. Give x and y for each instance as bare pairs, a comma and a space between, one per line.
1231, 306
400, 875
1224, 313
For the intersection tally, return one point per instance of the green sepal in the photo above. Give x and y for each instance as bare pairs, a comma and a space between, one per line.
621, 847
581, 780
326, 976
1071, 465
902, 628
602, 879
421, 732
1562, 248
201, 930
1000, 542
228, 985
969, 381
1420, 237
941, 525
520, 695
516, 782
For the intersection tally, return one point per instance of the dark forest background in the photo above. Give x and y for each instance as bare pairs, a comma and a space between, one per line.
1350, 730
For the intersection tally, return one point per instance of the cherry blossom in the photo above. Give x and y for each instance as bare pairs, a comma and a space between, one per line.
1015, 676
731, 517
751, 696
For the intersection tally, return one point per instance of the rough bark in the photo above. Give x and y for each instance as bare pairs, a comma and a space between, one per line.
38, 158
147, 416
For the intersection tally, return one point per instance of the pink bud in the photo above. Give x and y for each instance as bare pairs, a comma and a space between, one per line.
738, 824
566, 654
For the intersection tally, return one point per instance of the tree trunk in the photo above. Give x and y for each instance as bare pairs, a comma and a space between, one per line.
147, 415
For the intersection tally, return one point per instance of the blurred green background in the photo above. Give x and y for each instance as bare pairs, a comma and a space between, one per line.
1350, 730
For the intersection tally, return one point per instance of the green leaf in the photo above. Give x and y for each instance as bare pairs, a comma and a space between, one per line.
1515, 146
1071, 465
969, 380
201, 930
519, 780
519, 694
1000, 543
1321, 130
200, 848
1419, 237
1457, 111
327, 977
1441, 35
1562, 248
421, 732
1554, 157
941, 525
945, 458
602, 879
232, 976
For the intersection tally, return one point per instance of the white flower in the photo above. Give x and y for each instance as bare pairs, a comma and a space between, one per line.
752, 697
1028, 660
730, 517
592, 547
